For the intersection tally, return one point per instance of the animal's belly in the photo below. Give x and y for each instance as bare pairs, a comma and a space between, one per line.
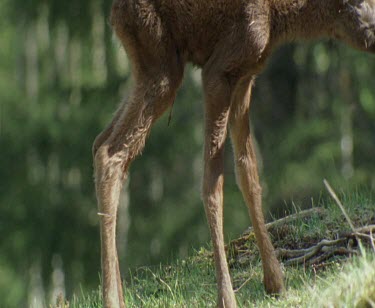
198, 26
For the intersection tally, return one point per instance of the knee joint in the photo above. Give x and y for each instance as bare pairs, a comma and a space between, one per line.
107, 166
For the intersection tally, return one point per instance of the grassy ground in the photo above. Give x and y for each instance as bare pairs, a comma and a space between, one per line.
336, 281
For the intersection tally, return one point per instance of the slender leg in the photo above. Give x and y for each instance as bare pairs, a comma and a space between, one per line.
99, 141
157, 69
108, 189
217, 112
248, 181
112, 159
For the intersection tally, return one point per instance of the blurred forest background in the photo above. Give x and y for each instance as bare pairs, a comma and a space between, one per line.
62, 75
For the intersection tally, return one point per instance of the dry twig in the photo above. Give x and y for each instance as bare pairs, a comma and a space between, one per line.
338, 202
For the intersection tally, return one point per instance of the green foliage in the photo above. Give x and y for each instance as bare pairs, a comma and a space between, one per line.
348, 285
336, 282
61, 77
352, 287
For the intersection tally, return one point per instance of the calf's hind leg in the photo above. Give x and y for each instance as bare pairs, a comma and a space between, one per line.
126, 138
248, 181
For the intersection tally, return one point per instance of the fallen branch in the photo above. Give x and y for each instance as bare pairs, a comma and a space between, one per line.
333, 252
302, 255
365, 229
358, 233
345, 244
365, 232
325, 248
288, 219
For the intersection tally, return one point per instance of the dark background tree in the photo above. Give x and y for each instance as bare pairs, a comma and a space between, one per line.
62, 75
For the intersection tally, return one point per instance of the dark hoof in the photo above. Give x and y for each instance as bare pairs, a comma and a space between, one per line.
274, 287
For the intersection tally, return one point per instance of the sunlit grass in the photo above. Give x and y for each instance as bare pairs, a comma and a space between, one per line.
339, 282
352, 287
192, 285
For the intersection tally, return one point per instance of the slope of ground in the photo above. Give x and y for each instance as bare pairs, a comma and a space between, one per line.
326, 264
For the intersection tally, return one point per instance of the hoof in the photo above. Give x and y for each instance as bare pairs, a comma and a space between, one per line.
274, 281
227, 300
274, 286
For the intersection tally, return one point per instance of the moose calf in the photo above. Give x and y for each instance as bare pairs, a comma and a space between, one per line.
231, 41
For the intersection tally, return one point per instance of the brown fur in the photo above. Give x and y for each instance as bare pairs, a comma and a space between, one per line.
230, 40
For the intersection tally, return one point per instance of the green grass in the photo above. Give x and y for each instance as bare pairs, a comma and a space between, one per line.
190, 285
353, 287
339, 282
